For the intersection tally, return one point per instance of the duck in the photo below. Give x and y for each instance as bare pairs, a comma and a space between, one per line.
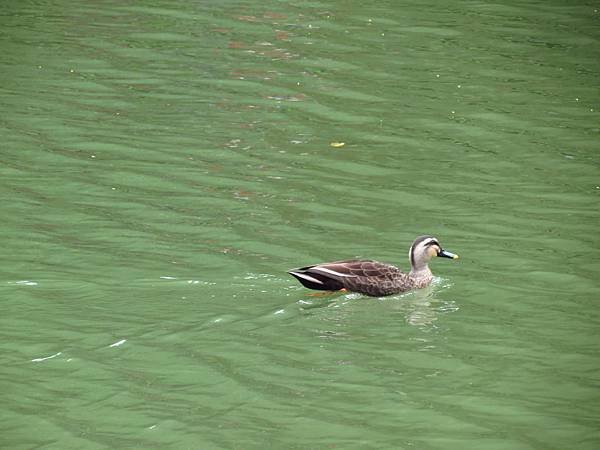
374, 278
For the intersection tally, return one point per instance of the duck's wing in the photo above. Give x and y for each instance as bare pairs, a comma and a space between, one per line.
359, 275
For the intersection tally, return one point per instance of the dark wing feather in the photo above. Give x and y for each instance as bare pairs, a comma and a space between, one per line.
315, 281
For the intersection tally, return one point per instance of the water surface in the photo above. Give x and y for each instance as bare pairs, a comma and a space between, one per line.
164, 164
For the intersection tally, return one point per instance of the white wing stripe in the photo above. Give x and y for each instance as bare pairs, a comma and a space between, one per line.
307, 277
330, 272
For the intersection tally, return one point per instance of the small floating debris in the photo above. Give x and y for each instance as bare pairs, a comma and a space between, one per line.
47, 357
337, 144
281, 311
118, 343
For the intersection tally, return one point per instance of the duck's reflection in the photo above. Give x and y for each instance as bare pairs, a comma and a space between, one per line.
423, 307
420, 308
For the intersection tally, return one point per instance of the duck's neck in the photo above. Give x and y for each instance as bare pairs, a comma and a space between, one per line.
420, 272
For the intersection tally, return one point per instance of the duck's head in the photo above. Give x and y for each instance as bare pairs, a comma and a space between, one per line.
423, 249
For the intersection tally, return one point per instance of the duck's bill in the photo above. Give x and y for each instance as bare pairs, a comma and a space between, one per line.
447, 254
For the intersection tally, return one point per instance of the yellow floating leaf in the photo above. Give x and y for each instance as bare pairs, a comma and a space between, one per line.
337, 144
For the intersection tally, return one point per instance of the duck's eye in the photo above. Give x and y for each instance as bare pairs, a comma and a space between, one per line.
432, 243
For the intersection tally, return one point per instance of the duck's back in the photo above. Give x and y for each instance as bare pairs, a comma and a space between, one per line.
377, 279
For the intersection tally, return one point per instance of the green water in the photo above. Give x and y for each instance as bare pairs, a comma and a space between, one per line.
164, 163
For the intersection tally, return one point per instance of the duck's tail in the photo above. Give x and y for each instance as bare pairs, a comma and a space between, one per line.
315, 280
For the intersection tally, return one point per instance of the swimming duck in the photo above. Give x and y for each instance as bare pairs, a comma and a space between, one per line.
374, 278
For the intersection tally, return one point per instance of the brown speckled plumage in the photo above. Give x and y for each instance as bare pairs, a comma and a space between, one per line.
371, 277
